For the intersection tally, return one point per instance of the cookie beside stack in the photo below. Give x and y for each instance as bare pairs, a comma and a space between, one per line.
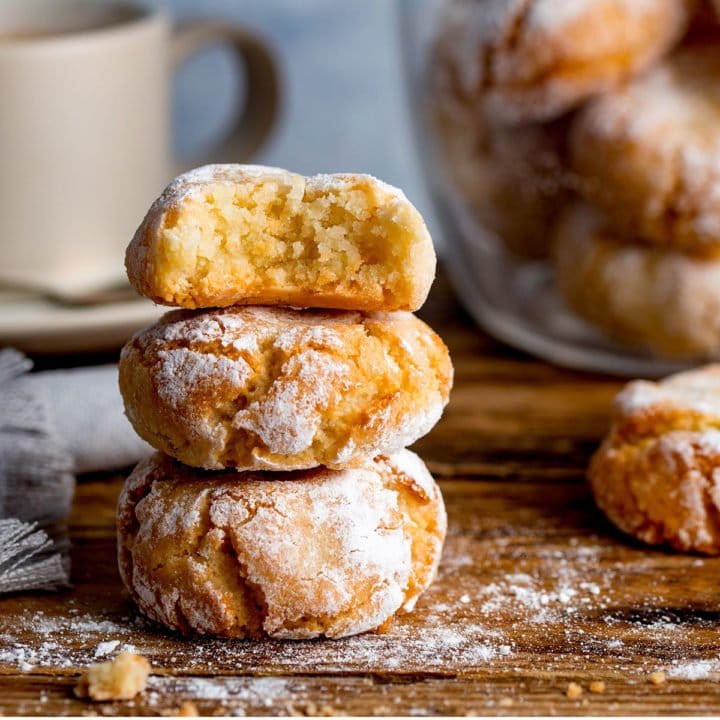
282, 501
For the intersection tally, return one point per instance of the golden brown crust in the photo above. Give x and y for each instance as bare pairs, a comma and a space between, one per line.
225, 235
529, 60
647, 153
292, 555
272, 388
656, 474
652, 298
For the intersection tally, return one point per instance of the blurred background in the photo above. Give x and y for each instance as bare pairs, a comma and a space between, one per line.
343, 92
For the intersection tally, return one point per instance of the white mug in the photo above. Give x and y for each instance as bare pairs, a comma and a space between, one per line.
85, 131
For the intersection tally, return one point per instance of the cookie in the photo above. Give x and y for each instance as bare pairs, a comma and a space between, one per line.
656, 475
647, 153
226, 235
273, 388
660, 300
290, 555
528, 60
514, 180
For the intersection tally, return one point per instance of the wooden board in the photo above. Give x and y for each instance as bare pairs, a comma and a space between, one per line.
535, 590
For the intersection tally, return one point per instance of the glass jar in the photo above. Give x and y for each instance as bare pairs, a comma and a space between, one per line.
536, 251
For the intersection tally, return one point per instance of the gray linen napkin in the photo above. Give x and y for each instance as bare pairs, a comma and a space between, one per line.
53, 426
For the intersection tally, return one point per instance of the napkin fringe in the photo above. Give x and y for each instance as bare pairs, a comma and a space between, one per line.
36, 484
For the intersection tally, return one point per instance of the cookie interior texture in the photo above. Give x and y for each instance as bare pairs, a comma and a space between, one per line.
293, 556
225, 235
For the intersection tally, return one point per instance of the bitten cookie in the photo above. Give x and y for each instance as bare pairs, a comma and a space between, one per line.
647, 153
273, 388
660, 300
225, 235
300, 555
656, 476
528, 60
514, 179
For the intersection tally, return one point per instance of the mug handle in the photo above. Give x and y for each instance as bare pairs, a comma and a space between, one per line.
259, 113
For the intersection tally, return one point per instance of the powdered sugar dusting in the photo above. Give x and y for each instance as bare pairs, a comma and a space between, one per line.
182, 368
198, 181
364, 545
260, 385
287, 418
695, 390
696, 670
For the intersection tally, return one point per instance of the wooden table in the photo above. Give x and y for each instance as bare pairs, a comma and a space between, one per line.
535, 589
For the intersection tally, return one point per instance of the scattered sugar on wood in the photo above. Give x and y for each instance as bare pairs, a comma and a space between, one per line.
574, 594
695, 670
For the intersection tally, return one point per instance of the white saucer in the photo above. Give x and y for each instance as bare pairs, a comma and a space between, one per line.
37, 325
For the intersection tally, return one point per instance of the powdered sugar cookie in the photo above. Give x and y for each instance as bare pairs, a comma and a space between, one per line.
225, 235
528, 60
656, 475
649, 153
661, 300
272, 388
314, 553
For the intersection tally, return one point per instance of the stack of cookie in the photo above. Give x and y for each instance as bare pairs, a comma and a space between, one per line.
576, 129
282, 501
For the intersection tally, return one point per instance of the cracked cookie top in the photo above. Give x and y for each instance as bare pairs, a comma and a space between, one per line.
291, 555
273, 388
657, 474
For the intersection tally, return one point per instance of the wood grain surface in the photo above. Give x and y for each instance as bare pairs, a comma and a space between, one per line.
535, 590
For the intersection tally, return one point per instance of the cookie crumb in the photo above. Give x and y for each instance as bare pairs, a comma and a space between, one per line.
506, 702
187, 709
658, 677
574, 691
597, 686
119, 679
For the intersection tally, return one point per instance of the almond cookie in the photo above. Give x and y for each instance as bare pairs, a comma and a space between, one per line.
647, 153
300, 555
529, 60
279, 389
656, 475
225, 235
661, 300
